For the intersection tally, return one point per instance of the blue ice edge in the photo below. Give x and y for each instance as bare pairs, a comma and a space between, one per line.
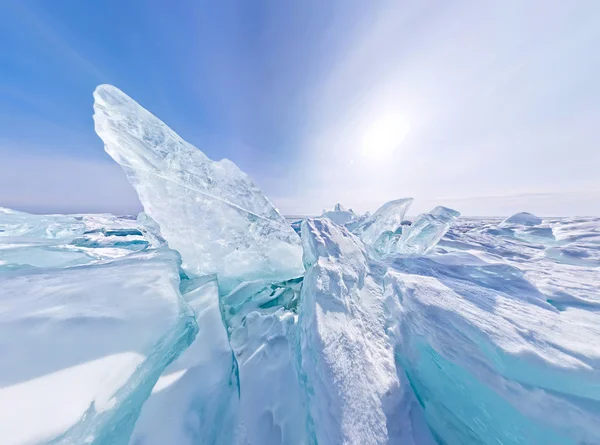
115, 426
460, 409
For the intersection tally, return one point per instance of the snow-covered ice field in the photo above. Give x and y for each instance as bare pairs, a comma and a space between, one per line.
210, 319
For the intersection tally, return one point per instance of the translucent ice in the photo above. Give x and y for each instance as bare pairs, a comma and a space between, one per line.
426, 231
85, 346
150, 229
211, 212
261, 318
388, 241
27, 255
489, 359
195, 399
57, 241
387, 218
491, 338
21, 224
357, 221
241, 390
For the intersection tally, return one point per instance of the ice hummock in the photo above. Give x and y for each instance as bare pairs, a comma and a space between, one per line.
209, 211
491, 338
491, 341
522, 219
355, 392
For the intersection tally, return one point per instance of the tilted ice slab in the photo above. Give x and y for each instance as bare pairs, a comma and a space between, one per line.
356, 394
211, 212
489, 359
85, 345
386, 219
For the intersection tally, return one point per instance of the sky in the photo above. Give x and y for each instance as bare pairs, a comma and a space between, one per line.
487, 107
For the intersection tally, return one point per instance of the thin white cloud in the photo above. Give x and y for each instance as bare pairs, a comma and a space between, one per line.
500, 98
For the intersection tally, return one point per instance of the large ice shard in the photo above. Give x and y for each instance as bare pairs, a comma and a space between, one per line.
356, 394
387, 218
83, 346
426, 231
211, 212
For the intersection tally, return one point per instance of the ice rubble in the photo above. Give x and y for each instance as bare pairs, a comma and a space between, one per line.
21, 224
357, 221
387, 218
340, 215
210, 212
419, 237
262, 321
522, 219
245, 390
490, 338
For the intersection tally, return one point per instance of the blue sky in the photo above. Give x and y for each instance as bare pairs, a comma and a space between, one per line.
500, 100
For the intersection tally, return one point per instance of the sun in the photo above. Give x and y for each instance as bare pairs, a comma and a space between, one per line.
383, 135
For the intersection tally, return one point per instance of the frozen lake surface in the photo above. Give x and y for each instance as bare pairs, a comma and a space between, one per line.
212, 319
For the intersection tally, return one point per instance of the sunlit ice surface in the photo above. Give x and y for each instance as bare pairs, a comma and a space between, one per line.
210, 319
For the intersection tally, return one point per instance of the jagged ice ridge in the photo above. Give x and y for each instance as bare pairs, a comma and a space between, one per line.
209, 320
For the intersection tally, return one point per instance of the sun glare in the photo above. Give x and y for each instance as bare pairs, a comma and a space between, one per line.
383, 136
